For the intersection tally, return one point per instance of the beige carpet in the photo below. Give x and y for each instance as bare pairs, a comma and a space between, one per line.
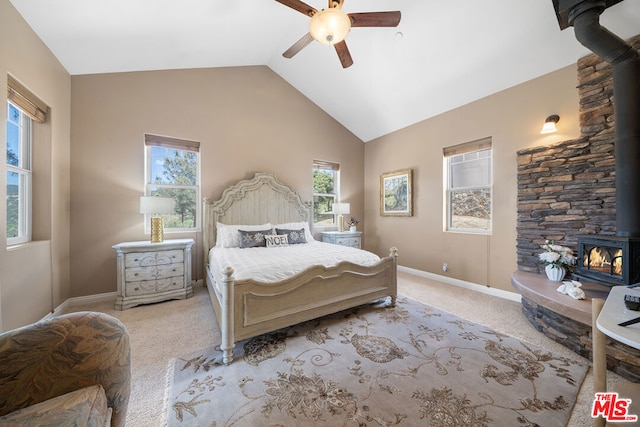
164, 331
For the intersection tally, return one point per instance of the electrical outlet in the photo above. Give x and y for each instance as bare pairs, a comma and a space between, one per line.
445, 267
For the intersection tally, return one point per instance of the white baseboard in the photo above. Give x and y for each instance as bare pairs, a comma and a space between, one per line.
512, 296
90, 299
75, 301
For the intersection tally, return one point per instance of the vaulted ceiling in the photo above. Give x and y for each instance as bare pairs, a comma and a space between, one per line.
443, 54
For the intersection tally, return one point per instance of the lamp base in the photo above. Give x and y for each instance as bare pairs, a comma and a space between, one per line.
341, 223
157, 229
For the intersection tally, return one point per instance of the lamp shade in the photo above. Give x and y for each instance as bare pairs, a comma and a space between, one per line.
341, 208
156, 205
550, 124
330, 26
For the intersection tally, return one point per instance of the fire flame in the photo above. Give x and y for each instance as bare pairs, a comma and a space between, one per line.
599, 260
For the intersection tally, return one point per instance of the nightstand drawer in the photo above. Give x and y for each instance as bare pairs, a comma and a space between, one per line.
346, 238
354, 242
135, 274
149, 287
144, 259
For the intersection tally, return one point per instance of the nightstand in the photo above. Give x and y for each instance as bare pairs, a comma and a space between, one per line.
344, 238
153, 272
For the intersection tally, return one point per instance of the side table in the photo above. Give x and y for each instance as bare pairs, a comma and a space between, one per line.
153, 272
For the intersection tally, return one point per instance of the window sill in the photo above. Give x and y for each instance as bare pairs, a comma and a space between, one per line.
27, 245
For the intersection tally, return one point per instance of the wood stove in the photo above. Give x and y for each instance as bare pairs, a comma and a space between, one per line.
613, 260
608, 260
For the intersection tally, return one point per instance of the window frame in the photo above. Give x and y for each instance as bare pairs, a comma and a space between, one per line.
25, 177
335, 167
450, 153
155, 141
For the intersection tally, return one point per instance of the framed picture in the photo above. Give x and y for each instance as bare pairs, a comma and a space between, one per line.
395, 193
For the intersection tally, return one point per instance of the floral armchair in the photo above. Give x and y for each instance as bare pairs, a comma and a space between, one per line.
46, 364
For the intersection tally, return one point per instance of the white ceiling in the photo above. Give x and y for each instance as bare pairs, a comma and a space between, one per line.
442, 55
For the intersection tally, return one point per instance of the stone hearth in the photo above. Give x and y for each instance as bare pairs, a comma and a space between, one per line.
568, 321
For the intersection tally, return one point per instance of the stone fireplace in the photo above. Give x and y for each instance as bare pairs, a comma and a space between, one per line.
568, 189
567, 193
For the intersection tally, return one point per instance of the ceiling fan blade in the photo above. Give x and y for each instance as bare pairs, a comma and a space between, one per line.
343, 53
375, 19
298, 46
299, 6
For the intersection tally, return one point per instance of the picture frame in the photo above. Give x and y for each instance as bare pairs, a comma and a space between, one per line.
396, 193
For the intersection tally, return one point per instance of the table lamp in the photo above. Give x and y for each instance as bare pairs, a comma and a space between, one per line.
155, 206
341, 209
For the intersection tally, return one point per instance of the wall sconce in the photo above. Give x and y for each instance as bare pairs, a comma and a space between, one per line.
155, 206
550, 124
341, 209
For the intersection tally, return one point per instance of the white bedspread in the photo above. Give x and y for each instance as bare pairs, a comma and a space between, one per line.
278, 263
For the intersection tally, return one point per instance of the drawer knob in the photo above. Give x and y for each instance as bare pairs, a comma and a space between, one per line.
136, 289
135, 274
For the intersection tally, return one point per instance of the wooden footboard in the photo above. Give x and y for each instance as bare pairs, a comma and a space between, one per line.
246, 308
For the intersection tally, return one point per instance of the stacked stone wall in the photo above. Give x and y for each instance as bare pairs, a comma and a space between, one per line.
568, 189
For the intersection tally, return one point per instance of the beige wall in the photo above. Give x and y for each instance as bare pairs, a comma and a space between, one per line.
34, 278
247, 120
512, 118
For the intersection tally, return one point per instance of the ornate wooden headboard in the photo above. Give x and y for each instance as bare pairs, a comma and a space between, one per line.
254, 201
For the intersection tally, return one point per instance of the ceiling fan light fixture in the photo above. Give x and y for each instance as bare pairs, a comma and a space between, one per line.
330, 26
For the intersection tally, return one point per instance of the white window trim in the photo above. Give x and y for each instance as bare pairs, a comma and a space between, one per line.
335, 195
473, 146
26, 207
149, 186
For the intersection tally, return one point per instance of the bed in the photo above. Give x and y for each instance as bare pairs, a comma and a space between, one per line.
246, 307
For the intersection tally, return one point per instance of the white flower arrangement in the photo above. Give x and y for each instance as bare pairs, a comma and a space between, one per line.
557, 256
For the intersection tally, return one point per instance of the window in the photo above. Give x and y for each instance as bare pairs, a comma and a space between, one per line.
23, 109
18, 176
469, 186
173, 170
326, 183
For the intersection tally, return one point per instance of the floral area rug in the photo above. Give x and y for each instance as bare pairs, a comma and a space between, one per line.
406, 365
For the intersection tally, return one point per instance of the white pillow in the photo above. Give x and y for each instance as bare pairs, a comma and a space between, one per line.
227, 236
274, 241
297, 226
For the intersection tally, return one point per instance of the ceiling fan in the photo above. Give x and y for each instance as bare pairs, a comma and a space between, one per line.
331, 26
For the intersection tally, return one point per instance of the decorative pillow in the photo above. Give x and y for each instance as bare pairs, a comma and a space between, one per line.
253, 239
274, 241
228, 237
297, 226
293, 236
